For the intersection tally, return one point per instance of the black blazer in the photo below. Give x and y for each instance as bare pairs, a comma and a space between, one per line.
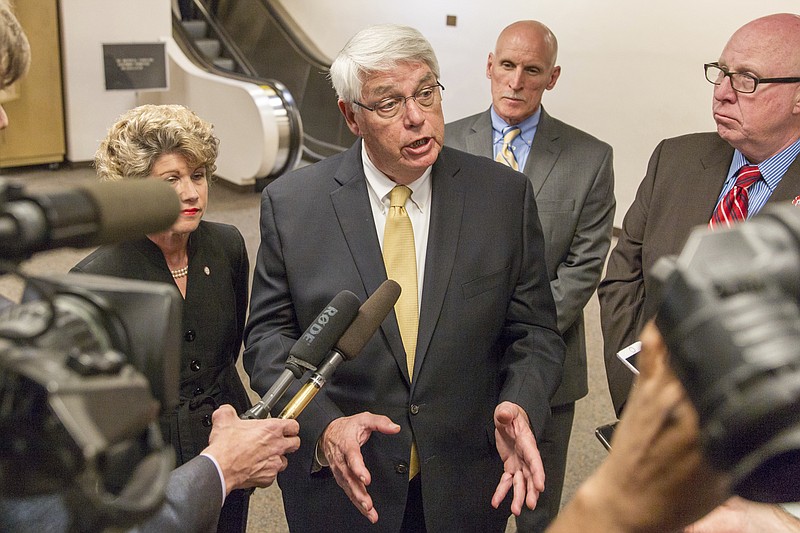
213, 319
487, 334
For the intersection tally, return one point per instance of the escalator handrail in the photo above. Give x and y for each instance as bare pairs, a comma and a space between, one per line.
294, 150
296, 37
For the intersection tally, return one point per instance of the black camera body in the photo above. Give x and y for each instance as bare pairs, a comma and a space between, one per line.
85, 369
88, 362
729, 315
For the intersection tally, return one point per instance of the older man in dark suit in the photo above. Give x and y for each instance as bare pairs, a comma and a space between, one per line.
695, 178
573, 180
435, 423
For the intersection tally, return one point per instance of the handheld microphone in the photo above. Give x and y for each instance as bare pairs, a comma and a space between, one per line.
310, 349
83, 216
369, 319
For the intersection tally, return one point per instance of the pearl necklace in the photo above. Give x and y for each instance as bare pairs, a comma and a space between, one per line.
181, 272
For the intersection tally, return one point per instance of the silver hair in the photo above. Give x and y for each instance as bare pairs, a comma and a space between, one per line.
378, 48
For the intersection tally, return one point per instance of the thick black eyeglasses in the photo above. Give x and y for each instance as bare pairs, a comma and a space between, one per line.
741, 82
390, 107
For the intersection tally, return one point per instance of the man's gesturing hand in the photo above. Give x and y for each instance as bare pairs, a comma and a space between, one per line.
341, 443
521, 460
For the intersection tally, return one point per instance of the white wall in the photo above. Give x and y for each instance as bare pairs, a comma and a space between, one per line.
631, 70
85, 26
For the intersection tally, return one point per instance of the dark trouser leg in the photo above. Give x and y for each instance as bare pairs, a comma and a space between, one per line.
414, 517
553, 448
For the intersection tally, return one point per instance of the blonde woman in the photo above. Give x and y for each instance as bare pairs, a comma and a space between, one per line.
206, 261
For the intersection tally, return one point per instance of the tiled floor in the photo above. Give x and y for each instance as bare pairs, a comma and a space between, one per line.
241, 209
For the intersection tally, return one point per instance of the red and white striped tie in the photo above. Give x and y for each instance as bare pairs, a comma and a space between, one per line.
733, 206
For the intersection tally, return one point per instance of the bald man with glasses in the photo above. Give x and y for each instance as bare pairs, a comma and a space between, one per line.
709, 178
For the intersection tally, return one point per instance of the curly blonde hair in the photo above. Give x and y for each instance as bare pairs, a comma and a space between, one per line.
147, 132
15, 52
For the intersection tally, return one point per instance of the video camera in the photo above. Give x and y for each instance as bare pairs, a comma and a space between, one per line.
729, 315
88, 364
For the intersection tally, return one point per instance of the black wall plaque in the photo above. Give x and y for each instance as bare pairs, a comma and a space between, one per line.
136, 66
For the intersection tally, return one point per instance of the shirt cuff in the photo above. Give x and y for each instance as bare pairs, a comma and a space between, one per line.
320, 461
792, 508
221, 475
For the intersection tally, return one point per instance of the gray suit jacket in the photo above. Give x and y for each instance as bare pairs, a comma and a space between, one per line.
679, 192
487, 333
573, 180
193, 500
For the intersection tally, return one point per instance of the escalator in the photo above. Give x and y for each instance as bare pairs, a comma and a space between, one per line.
257, 42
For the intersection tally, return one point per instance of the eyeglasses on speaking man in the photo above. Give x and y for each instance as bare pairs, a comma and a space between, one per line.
390, 107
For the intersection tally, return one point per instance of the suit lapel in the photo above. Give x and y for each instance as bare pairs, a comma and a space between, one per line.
447, 206
480, 131
545, 150
352, 206
710, 178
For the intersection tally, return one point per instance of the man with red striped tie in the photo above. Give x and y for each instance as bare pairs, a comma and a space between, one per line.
709, 178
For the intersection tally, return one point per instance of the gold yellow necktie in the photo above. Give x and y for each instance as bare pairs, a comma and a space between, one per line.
400, 257
506, 154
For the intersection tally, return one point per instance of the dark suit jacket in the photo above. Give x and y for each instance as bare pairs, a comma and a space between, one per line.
684, 178
213, 317
487, 334
573, 180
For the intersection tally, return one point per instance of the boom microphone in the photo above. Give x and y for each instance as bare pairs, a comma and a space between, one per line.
369, 319
83, 216
309, 350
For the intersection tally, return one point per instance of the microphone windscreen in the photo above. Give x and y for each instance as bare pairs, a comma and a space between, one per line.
131, 208
318, 339
369, 319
